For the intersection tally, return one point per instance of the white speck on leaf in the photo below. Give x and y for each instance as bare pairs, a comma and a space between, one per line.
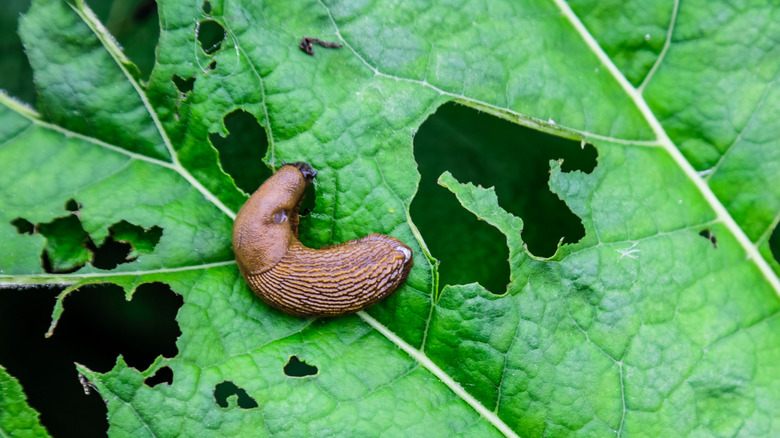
629, 252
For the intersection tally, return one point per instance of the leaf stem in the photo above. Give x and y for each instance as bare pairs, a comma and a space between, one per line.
9, 280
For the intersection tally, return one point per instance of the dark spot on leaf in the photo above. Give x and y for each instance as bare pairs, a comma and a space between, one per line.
707, 234
68, 247
228, 389
774, 243
206, 7
210, 35
307, 45
72, 205
242, 150
23, 226
298, 368
144, 10
488, 151
183, 85
163, 375
110, 253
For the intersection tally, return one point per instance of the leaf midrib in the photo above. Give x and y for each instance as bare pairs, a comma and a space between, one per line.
445, 378
663, 139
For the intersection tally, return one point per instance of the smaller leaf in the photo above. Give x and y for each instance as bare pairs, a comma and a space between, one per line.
17, 418
484, 204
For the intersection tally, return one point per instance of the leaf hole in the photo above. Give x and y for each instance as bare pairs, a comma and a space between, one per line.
163, 375
135, 25
103, 324
17, 77
68, 247
308, 202
143, 240
110, 254
206, 7
124, 244
709, 235
183, 85
44, 366
228, 394
145, 10
486, 150
298, 368
72, 205
242, 149
212, 65
210, 35
774, 243
23, 226
584, 161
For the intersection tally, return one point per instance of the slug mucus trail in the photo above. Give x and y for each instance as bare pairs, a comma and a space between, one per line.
330, 281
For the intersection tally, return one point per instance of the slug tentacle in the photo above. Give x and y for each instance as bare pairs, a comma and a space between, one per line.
330, 281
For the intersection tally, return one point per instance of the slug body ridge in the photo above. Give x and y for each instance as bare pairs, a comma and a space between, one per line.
330, 281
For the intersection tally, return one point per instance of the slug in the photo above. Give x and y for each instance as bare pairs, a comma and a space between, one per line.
330, 281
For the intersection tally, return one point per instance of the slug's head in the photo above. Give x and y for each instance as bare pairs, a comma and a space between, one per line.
307, 171
267, 224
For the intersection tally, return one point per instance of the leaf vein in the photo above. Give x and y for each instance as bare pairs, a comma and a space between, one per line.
667, 144
665, 48
490, 108
121, 60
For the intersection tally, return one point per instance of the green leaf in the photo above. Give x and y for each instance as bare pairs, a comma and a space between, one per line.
16, 417
715, 98
660, 321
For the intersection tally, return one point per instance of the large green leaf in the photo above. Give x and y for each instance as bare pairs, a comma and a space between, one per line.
659, 321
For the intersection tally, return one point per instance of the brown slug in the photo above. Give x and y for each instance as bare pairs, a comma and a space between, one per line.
330, 281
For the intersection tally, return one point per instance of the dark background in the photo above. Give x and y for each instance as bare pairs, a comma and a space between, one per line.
98, 324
